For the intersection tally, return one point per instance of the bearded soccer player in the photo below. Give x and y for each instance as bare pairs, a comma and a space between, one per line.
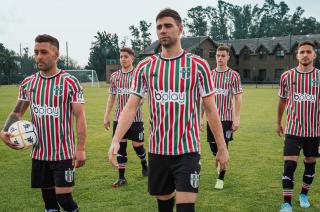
300, 94
120, 82
227, 86
175, 81
53, 97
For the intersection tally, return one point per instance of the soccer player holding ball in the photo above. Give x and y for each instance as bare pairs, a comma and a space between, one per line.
53, 97
120, 83
176, 80
300, 94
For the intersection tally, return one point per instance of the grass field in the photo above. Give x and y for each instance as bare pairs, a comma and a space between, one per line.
253, 182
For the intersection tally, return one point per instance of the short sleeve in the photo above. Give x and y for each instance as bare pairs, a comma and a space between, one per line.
139, 84
283, 87
76, 91
23, 92
205, 85
236, 84
113, 85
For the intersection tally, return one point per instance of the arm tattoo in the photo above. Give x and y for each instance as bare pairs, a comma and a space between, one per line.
16, 114
11, 119
20, 107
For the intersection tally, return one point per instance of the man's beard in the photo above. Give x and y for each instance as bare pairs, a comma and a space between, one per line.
44, 68
168, 43
306, 63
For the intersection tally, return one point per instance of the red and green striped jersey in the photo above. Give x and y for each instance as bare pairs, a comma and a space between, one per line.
120, 84
51, 111
174, 86
226, 85
302, 91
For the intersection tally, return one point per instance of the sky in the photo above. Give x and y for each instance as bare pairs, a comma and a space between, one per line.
78, 21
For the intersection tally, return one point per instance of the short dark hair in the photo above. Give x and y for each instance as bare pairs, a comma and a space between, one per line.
223, 47
307, 42
128, 50
170, 13
47, 38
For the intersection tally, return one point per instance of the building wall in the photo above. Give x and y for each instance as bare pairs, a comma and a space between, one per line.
110, 69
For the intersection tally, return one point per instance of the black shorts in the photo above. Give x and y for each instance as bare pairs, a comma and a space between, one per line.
48, 174
293, 145
135, 132
227, 132
169, 173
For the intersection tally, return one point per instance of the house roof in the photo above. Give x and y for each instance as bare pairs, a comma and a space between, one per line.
253, 44
270, 43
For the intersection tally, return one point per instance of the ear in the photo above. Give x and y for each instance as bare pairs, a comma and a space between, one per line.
180, 29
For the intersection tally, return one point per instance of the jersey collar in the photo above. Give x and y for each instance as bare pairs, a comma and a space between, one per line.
172, 58
44, 77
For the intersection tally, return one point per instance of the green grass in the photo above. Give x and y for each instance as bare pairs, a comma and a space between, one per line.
253, 181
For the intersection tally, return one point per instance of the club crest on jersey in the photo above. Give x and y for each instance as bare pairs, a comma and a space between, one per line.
58, 90
68, 175
184, 72
315, 83
194, 180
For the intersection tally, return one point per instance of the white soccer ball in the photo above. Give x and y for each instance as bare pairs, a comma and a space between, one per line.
24, 134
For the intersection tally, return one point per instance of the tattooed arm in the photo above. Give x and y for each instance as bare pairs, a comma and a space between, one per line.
14, 116
80, 154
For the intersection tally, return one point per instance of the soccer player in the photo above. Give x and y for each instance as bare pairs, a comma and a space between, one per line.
227, 86
120, 82
175, 81
299, 93
53, 97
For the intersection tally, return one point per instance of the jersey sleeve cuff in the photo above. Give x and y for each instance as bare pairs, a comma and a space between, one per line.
207, 94
137, 94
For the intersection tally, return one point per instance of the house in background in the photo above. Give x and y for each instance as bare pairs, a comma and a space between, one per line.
256, 59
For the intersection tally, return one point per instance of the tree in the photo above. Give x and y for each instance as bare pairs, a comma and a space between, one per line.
105, 47
27, 63
219, 21
8, 65
66, 63
197, 21
145, 34
141, 37
135, 41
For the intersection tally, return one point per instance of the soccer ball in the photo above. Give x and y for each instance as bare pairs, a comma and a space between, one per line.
24, 134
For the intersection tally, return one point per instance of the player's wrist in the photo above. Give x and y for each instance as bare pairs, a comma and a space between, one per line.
81, 147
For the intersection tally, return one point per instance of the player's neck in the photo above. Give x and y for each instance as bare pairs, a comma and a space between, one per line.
53, 71
172, 51
127, 69
222, 68
305, 69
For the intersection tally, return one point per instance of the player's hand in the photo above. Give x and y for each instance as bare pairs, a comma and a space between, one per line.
5, 137
222, 158
201, 125
235, 125
112, 153
107, 123
79, 158
279, 130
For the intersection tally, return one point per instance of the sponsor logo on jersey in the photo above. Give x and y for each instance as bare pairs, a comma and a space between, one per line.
194, 180
301, 97
123, 90
39, 110
170, 96
184, 73
221, 91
